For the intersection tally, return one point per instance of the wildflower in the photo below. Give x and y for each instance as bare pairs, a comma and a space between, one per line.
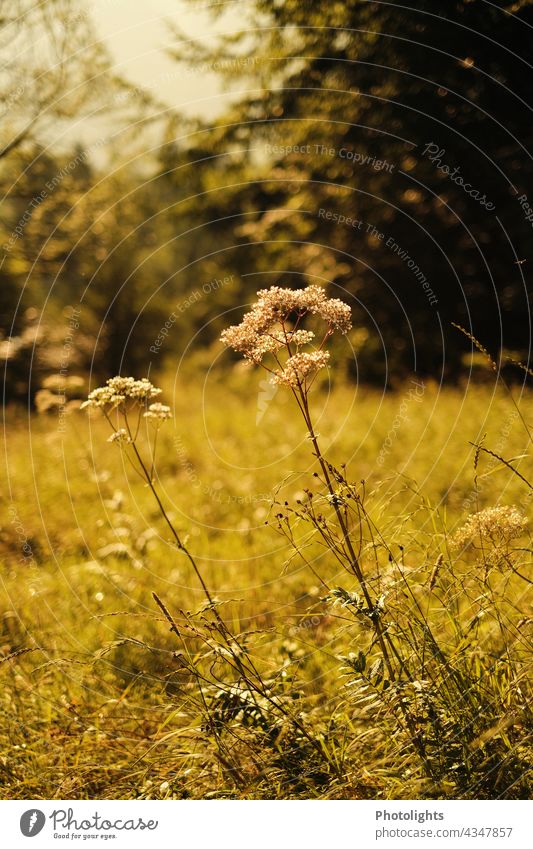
120, 435
496, 523
119, 390
492, 528
279, 303
158, 411
300, 337
266, 328
299, 367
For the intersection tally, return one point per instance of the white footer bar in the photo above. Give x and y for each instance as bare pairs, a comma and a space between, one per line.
267, 825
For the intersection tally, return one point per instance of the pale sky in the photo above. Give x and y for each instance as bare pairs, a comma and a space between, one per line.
135, 33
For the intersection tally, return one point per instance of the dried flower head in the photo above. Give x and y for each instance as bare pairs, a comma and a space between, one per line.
120, 436
299, 367
491, 531
158, 411
118, 390
272, 326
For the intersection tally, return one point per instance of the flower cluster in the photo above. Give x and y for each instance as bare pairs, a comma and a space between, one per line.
493, 529
121, 436
300, 366
159, 412
119, 390
259, 332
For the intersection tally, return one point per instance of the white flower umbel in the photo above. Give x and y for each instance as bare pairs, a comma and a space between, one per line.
272, 330
120, 435
300, 366
489, 533
127, 399
118, 390
159, 412
273, 322
272, 327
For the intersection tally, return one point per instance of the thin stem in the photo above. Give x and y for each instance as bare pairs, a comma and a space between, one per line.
354, 561
171, 527
154, 449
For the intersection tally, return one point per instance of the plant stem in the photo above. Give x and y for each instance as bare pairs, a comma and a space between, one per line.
354, 560
173, 531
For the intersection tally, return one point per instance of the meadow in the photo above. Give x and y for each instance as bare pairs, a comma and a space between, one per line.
102, 698
219, 581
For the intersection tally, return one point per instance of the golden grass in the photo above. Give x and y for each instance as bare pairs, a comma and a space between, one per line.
94, 703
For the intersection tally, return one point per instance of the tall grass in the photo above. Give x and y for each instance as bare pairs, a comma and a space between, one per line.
379, 649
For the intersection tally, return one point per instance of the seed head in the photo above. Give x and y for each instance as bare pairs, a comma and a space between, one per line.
121, 436
491, 531
495, 523
158, 411
272, 325
300, 366
118, 390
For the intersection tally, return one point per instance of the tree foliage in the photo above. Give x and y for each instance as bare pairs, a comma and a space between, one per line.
387, 150
382, 151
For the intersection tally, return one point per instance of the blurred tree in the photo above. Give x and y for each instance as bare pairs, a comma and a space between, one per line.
55, 74
340, 163
53, 69
385, 149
